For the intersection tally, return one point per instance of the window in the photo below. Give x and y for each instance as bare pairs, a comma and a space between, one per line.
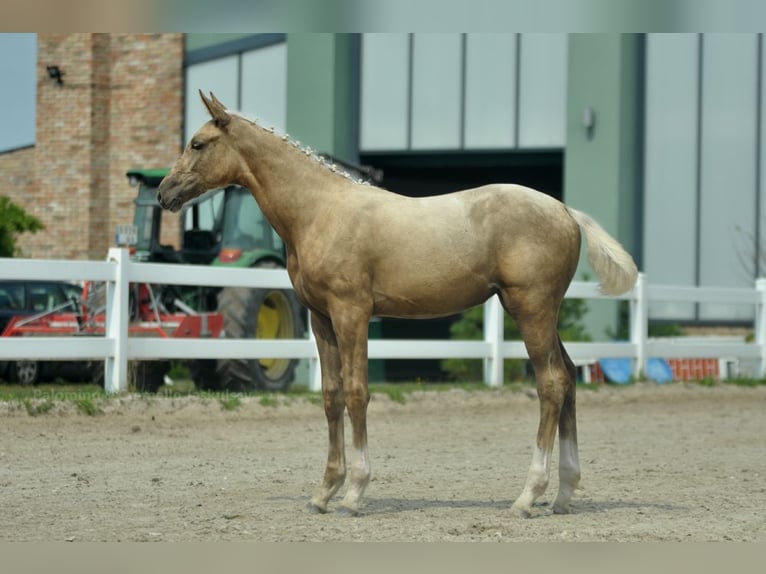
11, 297
247, 73
463, 91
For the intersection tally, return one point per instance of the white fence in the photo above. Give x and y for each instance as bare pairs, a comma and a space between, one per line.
117, 347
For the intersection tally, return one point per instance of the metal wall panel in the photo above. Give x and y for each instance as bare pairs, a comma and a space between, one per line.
436, 91
490, 91
542, 90
385, 92
219, 76
760, 239
703, 184
264, 85
727, 165
670, 175
463, 91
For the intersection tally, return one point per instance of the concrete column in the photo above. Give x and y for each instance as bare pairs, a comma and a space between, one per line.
602, 162
323, 92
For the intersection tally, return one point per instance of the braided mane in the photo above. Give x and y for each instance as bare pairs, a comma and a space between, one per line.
306, 150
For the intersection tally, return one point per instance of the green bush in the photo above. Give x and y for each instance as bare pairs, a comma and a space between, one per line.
13, 221
471, 327
656, 329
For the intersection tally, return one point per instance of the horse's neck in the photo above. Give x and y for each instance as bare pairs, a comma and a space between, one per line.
289, 185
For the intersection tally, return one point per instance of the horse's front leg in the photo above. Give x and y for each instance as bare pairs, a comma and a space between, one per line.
351, 323
334, 405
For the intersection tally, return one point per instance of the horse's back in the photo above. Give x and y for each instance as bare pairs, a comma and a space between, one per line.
429, 256
477, 224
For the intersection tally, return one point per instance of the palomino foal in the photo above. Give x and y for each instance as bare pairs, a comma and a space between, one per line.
356, 251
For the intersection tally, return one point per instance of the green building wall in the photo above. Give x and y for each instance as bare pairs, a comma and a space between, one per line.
602, 164
322, 92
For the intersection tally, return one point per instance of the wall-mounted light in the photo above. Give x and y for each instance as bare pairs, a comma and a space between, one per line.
55, 73
589, 121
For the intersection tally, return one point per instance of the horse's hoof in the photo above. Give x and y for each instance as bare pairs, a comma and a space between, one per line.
344, 511
519, 512
314, 509
561, 509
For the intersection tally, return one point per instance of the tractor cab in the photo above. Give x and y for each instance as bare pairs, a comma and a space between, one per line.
147, 218
221, 227
245, 235
226, 227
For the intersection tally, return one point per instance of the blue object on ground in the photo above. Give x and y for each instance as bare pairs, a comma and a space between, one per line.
617, 370
620, 370
659, 370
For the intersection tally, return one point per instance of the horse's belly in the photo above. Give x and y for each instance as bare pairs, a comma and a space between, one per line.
406, 297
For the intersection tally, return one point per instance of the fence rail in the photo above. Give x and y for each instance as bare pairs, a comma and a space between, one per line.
116, 347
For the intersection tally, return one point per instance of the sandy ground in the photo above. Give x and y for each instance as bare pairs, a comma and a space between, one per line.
674, 463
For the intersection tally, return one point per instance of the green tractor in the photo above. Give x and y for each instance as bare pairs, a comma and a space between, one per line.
223, 227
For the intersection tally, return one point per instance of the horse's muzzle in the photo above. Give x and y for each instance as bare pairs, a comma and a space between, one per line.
168, 195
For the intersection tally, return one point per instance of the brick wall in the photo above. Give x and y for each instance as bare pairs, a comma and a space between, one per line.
120, 107
683, 370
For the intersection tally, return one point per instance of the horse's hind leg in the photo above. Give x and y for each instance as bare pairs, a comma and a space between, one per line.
334, 405
569, 460
538, 327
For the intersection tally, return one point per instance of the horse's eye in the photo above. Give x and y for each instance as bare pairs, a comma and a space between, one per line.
197, 145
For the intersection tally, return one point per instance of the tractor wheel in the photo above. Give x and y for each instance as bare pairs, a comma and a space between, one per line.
96, 369
258, 314
148, 376
203, 373
24, 372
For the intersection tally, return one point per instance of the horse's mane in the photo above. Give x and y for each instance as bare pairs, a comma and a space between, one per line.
305, 150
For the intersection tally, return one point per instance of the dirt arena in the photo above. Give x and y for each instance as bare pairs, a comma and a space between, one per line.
674, 463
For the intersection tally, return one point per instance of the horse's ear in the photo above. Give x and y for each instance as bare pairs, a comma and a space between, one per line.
216, 110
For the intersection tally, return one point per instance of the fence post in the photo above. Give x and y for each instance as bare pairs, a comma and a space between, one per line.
493, 334
760, 327
116, 365
639, 324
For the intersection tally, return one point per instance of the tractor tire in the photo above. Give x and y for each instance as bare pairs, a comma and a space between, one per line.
147, 376
263, 314
25, 372
143, 376
203, 373
96, 369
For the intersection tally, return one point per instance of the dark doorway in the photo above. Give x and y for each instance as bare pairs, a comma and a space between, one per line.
419, 174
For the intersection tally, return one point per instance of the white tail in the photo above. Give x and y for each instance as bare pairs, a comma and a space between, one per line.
614, 266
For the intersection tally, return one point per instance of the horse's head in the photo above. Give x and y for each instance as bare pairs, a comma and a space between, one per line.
209, 160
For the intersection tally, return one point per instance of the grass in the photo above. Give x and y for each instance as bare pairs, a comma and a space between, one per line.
395, 394
268, 401
230, 403
38, 408
87, 406
746, 382
707, 382
42, 399
409, 387
52, 391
